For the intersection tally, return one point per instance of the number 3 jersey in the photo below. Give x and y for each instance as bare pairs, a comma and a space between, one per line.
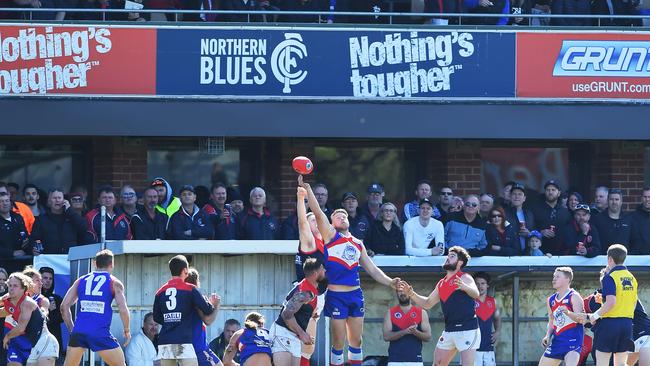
95, 295
173, 307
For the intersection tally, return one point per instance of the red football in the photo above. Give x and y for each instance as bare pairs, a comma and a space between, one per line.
302, 165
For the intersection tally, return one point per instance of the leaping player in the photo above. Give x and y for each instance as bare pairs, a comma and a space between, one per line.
344, 299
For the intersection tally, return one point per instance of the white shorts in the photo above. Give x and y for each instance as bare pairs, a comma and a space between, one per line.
485, 358
461, 341
46, 347
284, 340
320, 303
176, 351
641, 342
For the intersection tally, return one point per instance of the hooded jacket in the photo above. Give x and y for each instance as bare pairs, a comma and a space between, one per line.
54, 318
171, 203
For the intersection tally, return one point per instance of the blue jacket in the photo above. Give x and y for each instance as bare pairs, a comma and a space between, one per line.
359, 225
224, 229
469, 235
117, 227
258, 227
198, 221
289, 229
508, 241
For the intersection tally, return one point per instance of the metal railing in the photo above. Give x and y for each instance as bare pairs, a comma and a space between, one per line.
322, 16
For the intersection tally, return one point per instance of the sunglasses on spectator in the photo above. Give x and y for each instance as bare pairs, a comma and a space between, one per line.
471, 204
77, 199
446, 193
495, 215
582, 206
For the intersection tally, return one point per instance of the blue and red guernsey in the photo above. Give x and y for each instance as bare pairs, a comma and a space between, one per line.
173, 307
306, 311
342, 256
253, 341
407, 348
564, 327
457, 306
199, 334
32, 333
485, 312
95, 295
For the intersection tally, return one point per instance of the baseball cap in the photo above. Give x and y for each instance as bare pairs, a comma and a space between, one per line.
375, 188
536, 234
552, 182
583, 207
426, 201
347, 195
186, 187
157, 182
518, 186
76, 194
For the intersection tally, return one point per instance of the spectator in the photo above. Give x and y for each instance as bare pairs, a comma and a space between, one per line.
541, 7
81, 189
579, 237
375, 197
520, 7
489, 321
487, 7
502, 237
117, 225
142, 350
289, 228
616, 7
570, 7
640, 219
486, 204
3, 281
517, 215
467, 229
534, 244
54, 318
302, 5
550, 217
258, 223
149, 223
359, 222
456, 204
167, 203
221, 214
406, 326
444, 204
129, 200
385, 235
31, 197
165, 5
322, 195
56, 231
504, 198
13, 189
600, 200
236, 202
189, 223
423, 235
21, 209
203, 195
78, 203
612, 225
441, 6
244, 5
13, 235
422, 191
218, 345
573, 201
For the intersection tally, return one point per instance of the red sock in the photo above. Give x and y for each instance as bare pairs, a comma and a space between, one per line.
304, 361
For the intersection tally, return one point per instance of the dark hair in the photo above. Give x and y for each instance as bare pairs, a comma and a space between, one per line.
230, 322
461, 253
30, 185
105, 189
319, 185
147, 316
177, 264
483, 275
253, 320
509, 183
13, 185
311, 265
103, 258
645, 189
617, 252
47, 270
3, 184
192, 276
150, 188
422, 181
218, 185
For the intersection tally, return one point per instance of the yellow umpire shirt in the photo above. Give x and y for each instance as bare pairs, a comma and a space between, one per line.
622, 284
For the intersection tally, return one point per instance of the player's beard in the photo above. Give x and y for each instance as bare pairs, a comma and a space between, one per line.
449, 266
404, 302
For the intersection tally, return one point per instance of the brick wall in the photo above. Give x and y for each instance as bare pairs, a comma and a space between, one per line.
455, 163
118, 161
290, 148
619, 165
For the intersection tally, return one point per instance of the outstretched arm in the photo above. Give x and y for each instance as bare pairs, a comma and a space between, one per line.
374, 271
123, 309
326, 229
419, 300
68, 301
307, 242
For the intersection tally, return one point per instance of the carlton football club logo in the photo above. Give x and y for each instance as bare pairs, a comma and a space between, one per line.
284, 61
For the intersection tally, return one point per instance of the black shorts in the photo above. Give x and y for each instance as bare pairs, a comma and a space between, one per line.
614, 335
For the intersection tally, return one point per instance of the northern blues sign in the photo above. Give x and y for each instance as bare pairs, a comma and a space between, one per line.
340, 63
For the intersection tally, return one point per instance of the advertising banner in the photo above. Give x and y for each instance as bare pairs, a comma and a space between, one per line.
335, 63
583, 65
77, 60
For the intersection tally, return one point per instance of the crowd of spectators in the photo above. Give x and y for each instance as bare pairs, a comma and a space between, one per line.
475, 7
516, 223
